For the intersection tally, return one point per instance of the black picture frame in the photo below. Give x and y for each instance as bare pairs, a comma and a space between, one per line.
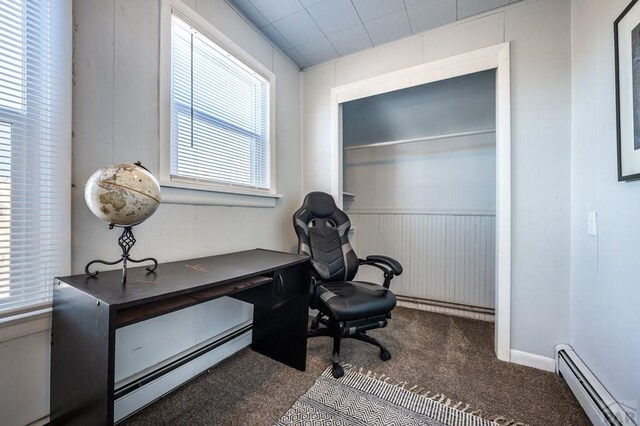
627, 103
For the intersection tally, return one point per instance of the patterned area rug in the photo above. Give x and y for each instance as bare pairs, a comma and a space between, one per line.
360, 398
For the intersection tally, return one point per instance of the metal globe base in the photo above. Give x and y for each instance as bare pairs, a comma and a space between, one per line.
126, 242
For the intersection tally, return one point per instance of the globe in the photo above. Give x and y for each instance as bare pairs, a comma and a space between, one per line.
122, 194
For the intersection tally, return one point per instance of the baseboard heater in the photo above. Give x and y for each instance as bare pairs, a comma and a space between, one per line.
177, 363
449, 305
161, 380
601, 408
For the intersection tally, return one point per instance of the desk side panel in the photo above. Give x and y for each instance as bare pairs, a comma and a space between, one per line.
280, 331
82, 355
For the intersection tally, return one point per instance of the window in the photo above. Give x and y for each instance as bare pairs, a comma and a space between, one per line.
221, 118
33, 119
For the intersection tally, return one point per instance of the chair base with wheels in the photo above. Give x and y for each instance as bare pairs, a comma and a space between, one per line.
347, 309
337, 332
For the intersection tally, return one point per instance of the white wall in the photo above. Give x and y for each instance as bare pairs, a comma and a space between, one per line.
605, 285
115, 119
539, 32
452, 175
24, 382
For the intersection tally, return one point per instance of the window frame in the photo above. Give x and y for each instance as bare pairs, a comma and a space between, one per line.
191, 191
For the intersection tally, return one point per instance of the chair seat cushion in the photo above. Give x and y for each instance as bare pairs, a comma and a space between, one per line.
349, 300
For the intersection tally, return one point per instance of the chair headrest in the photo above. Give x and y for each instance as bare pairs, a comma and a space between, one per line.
320, 204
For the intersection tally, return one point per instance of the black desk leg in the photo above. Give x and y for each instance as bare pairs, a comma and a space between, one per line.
82, 354
281, 333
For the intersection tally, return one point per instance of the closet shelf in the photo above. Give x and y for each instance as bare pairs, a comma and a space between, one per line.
423, 139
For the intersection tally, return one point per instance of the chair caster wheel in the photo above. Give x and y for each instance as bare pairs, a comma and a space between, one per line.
385, 355
337, 371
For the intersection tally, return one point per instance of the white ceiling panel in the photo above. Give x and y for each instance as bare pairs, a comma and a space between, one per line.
277, 9
468, 8
275, 36
308, 3
314, 31
350, 40
413, 2
334, 15
317, 51
389, 27
298, 28
429, 14
371, 9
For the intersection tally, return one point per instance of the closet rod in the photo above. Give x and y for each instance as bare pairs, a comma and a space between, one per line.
425, 139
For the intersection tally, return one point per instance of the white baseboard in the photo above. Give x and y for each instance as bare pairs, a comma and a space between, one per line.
532, 360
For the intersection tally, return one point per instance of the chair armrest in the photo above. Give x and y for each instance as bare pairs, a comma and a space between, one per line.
391, 263
389, 266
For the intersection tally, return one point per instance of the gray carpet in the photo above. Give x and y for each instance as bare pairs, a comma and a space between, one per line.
441, 353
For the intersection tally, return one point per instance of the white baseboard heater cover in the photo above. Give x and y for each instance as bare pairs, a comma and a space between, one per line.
601, 408
151, 386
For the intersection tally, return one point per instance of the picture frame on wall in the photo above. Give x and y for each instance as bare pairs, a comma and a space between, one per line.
627, 61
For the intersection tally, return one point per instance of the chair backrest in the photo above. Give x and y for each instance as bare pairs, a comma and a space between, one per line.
323, 234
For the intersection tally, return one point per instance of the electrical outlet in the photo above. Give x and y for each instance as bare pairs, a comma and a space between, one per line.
592, 223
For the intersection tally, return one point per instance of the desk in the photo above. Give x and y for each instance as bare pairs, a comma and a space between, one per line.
87, 312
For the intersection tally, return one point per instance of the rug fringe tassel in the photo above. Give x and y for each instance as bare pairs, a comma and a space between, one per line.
437, 397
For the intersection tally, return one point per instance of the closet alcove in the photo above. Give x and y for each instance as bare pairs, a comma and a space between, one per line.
419, 182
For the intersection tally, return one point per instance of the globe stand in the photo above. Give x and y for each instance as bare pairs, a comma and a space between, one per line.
126, 242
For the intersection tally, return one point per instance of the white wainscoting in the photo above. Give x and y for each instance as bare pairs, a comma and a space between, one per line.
447, 256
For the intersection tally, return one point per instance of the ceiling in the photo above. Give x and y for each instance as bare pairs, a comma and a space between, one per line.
315, 31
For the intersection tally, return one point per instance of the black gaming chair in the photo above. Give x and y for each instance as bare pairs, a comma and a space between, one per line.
348, 309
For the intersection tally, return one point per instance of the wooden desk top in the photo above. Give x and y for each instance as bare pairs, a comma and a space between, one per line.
181, 277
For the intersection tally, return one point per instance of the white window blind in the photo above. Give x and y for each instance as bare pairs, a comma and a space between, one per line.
219, 113
31, 123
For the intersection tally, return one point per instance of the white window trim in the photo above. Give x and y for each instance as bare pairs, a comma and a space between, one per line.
23, 322
176, 190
